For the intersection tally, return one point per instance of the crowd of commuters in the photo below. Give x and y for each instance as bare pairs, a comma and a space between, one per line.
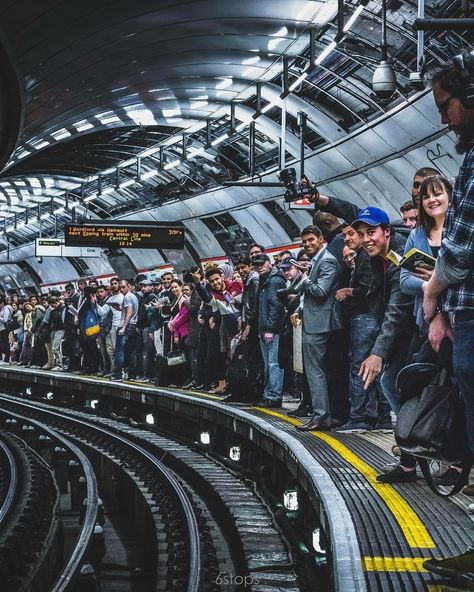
331, 324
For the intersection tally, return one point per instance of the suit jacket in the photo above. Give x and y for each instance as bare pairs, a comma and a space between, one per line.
321, 311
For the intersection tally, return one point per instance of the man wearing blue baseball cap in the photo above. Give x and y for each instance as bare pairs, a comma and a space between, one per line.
393, 312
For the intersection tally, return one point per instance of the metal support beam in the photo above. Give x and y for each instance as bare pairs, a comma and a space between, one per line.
285, 85
184, 144
443, 24
162, 156
99, 185
250, 184
252, 149
258, 95
312, 47
420, 38
232, 117
302, 119
117, 178
26, 216
208, 132
139, 168
340, 18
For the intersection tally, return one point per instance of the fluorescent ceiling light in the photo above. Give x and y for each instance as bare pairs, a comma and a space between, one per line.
171, 112
249, 61
171, 165
108, 119
127, 183
198, 104
353, 18
39, 144
141, 116
224, 83
268, 107
326, 51
298, 81
83, 125
60, 134
274, 43
280, 33
149, 174
249, 72
219, 139
58, 210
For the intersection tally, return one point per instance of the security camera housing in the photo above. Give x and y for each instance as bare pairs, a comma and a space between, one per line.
383, 81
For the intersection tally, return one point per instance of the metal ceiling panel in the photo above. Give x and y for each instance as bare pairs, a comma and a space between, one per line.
202, 239
262, 226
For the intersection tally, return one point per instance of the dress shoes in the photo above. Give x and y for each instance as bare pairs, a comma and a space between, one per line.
301, 411
269, 404
314, 425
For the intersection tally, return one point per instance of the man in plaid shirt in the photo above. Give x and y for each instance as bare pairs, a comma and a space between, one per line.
449, 295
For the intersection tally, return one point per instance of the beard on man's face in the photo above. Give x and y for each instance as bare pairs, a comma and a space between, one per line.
465, 135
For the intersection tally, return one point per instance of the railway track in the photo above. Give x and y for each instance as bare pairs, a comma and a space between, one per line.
198, 525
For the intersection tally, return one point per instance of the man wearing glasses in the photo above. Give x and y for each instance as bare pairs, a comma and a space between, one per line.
449, 294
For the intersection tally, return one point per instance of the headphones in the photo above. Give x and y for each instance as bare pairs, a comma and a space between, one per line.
464, 63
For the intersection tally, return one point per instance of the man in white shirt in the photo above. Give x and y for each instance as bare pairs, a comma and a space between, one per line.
125, 348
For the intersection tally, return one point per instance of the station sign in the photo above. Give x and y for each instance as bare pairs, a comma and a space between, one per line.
55, 247
151, 235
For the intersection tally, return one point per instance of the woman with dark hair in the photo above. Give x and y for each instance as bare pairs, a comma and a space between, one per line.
179, 325
434, 198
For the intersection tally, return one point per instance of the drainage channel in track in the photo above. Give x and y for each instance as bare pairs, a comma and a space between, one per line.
236, 540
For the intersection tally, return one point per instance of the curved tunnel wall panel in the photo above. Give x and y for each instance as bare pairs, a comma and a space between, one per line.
262, 226
202, 239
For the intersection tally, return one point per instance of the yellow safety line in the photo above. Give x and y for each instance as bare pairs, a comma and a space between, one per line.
394, 564
415, 532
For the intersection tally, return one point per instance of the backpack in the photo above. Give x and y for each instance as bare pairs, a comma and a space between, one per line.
239, 381
90, 326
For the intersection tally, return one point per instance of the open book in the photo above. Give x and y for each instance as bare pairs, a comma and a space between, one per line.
413, 258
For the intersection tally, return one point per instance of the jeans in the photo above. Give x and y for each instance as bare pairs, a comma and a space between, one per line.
370, 404
392, 368
57, 340
464, 370
125, 351
273, 373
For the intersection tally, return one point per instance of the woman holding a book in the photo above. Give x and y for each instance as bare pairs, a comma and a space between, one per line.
424, 242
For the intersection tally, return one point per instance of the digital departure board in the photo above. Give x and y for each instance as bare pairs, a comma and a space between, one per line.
159, 235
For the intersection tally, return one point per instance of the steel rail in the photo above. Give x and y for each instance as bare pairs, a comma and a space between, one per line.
70, 571
195, 569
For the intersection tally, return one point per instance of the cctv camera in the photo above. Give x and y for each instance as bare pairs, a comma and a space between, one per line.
417, 80
384, 81
39, 259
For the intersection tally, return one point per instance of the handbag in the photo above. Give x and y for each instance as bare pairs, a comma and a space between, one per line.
431, 425
175, 358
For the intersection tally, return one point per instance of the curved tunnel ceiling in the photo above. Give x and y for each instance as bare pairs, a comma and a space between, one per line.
130, 106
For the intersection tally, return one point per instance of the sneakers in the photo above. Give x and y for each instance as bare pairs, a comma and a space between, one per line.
398, 475
116, 379
459, 566
354, 427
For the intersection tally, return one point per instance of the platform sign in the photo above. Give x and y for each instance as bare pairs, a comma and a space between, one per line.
54, 247
158, 235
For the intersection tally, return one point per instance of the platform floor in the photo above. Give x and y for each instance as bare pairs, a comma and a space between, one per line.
397, 526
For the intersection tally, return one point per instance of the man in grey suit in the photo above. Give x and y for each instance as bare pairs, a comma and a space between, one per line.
320, 315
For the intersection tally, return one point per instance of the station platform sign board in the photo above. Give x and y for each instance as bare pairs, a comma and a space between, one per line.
55, 247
